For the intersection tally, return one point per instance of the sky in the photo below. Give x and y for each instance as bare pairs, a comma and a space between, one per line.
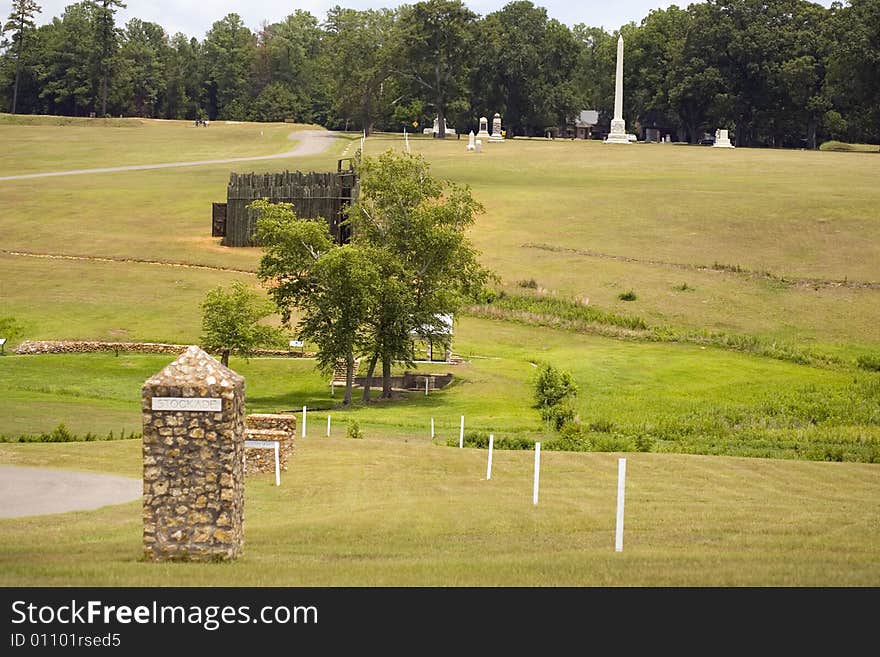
195, 17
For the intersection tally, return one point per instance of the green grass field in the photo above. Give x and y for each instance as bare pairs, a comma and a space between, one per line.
392, 513
772, 252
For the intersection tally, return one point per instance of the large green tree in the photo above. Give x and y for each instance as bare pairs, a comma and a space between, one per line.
437, 47
20, 24
230, 52
430, 266
106, 45
527, 66
331, 287
359, 48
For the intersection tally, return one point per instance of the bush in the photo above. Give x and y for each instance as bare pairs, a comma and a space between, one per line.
61, 434
530, 284
869, 362
354, 430
629, 295
558, 415
553, 386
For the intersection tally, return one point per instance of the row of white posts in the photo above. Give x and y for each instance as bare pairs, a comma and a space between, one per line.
621, 472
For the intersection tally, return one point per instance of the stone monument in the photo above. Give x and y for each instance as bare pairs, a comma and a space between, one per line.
618, 125
496, 137
471, 144
193, 450
484, 128
722, 140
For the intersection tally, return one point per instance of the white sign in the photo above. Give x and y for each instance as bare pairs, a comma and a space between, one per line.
261, 444
2, 341
199, 404
297, 343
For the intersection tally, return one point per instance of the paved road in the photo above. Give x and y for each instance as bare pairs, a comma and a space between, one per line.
310, 142
26, 491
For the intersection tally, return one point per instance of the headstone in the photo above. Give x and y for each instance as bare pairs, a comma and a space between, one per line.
496, 136
618, 125
435, 129
479, 145
483, 132
193, 450
471, 145
722, 140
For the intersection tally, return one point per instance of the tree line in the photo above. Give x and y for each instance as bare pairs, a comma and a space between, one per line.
774, 72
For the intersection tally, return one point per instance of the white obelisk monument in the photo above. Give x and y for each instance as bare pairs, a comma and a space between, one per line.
618, 125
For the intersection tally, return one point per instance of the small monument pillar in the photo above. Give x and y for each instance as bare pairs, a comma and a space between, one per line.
484, 128
496, 137
618, 125
472, 145
193, 450
722, 140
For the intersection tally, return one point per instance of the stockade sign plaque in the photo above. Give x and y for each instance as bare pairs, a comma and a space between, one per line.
198, 404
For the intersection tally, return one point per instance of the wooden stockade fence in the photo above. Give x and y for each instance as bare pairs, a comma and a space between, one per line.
312, 194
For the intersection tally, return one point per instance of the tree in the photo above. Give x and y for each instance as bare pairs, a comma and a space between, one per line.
437, 47
65, 73
528, 68
231, 322
416, 226
106, 44
554, 390
358, 48
230, 50
21, 21
141, 79
333, 287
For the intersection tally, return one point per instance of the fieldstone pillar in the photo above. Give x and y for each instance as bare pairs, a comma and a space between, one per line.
193, 445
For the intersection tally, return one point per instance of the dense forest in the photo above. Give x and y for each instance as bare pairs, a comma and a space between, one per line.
775, 72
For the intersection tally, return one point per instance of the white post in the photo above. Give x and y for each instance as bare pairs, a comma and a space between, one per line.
331, 388
426, 385
537, 473
489, 465
328, 426
432, 428
621, 485
304, 422
277, 466
461, 434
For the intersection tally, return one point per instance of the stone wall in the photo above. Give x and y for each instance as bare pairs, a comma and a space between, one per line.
279, 427
193, 449
29, 347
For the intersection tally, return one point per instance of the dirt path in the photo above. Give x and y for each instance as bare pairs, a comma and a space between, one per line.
310, 142
28, 491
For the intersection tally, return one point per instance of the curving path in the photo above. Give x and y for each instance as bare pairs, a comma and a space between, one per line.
26, 491
310, 142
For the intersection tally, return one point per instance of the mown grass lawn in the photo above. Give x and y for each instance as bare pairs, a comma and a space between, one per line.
777, 245
391, 513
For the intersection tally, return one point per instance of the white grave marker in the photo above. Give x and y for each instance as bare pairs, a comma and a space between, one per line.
432, 428
489, 464
621, 486
328, 426
537, 473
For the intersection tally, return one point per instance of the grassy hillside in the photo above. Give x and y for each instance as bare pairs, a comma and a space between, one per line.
390, 513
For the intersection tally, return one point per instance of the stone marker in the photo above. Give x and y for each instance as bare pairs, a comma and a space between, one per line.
193, 449
471, 144
722, 140
484, 128
496, 129
618, 125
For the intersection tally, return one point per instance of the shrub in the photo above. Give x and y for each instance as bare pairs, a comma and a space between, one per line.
557, 415
684, 287
869, 362
61, 434
629, 295
530, 284
602, 426
553, 386
354, 430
